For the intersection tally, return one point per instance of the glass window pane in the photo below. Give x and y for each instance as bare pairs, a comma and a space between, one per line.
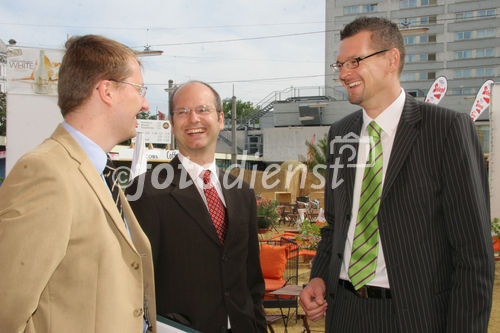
424, 39
489, 71
468, 54
480, 53
489, 52
467, 72
467, 34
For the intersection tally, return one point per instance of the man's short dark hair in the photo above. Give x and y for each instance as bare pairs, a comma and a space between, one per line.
217, 100
385, 34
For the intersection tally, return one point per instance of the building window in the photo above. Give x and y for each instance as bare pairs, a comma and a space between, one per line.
489, 52
485, 33
423, 57
473, 72
482, 33
370, 8
475, 14
419, 39
255, 144
416, 76
415, 3
476, 53
463, 35
464, 54
463, 91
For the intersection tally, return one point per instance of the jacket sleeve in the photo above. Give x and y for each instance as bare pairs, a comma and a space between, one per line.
322, 257
35, 225
466, 215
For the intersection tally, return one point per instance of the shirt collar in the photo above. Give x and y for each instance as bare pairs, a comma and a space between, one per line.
95, 153
194, 169
388, 120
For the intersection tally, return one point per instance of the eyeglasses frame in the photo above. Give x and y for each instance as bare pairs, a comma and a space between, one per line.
337, 67
187, 111
142, 88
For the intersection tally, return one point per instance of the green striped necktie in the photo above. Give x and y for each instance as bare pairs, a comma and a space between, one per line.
366, 236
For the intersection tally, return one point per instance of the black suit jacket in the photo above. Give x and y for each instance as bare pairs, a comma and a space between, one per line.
433, 219
196, 275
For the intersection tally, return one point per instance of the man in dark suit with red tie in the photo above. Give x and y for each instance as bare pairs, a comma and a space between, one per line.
202, 230
407, 247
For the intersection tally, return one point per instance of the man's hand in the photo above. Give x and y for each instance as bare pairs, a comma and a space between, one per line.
312, 299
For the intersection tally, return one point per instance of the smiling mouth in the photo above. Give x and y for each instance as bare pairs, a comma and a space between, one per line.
195, 131
354, 84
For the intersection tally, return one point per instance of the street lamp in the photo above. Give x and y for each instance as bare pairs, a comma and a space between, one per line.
148, 52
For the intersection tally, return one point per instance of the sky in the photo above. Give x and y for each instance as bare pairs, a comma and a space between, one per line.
219, 42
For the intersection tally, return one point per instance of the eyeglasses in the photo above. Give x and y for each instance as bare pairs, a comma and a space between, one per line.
142, 88
200, 110
353, 63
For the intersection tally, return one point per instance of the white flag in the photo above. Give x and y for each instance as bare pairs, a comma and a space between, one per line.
482, 101
437, 90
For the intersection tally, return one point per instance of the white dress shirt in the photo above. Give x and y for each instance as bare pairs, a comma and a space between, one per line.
388, 120
194, 170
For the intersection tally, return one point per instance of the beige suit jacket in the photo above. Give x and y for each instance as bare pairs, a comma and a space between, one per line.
67, 261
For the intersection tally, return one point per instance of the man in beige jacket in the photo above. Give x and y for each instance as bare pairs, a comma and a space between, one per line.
70, 261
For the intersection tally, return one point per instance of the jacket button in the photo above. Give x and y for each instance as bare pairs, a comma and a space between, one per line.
135, 265
138, 312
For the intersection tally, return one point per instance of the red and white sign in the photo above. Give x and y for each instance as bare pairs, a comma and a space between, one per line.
482, 101
437, 90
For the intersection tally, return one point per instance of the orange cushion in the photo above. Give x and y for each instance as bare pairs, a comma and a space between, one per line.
273, 284
272, 261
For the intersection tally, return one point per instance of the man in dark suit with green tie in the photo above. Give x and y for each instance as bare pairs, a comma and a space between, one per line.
407, 247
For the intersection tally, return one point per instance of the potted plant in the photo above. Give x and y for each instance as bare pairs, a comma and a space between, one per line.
267, 214
310, 234
495, 231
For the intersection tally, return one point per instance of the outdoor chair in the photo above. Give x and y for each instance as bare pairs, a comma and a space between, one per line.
279, 262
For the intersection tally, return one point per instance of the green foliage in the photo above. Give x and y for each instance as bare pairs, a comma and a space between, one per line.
267, 213
318, 154
146, 115
243, 109
3, 114
310, 234
495, 227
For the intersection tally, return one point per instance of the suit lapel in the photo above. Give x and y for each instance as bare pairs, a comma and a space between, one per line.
348, 161
95, 181
232, 210
190, 200
406, 134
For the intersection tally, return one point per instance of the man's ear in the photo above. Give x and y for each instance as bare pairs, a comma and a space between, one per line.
105, 90
394, 59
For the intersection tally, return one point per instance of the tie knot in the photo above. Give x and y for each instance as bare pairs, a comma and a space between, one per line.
206, 177
374, 129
